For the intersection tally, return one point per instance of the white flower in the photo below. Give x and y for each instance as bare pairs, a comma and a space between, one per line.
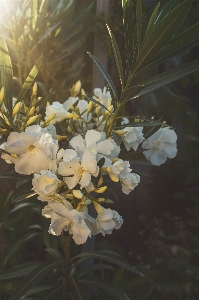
124, 121
58, 109
107, 219
78, 172
133, 137
96, 142
68, 102
64, 217
104, 97
34, 149
45, 183
118, 169
160, 146
129, 182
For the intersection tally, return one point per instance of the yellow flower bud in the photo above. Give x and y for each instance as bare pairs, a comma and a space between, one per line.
83, 92
31, 120
1, 95
71, 106
86, 202
70, 116
90, 105
16, 109
100, 190
100, 181
48, 120
69, 129
34, 89
77, 194
120, 132
31, 111
113, 177
61, 137
115, 159
97, 109
101, 199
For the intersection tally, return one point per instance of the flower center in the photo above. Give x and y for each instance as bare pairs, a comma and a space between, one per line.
80, 171
31, 148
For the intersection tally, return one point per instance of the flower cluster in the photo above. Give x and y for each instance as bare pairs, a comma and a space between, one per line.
73, 175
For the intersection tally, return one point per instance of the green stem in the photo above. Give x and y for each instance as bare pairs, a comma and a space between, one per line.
113, 120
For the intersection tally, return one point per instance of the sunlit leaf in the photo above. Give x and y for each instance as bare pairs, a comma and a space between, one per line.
23, 195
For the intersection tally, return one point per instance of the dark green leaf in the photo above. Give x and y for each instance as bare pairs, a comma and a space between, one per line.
11, 176
33, 278
168, 77
18, 271
76, 289
39, 288
108, 288
18, 244
105, 75
151, 22
50, 295
94, 268
112, 258
117, 138
29, 80
54, 253
117, 56
166, 10
6, 75
101, 162
128, 20
177, 46
22, 196
139, 22
161, 35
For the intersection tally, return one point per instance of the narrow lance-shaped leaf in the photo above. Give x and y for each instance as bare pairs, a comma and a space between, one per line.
105, 75
22, 196
177, 46
117, 56
18, 271
76, 289
128, 22
6, 75
97, 102
29, 80
166, 10
151, 22
33, 278
50, 294
139, 22
161, 35
168, 77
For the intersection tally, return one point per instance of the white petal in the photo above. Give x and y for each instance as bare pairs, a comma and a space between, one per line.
92, 137
80, 232
85, 179
158, 158
105, 147
78, 143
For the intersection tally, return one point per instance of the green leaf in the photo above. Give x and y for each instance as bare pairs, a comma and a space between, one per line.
127, 93
94, 268
105, 75
117, 138
22, 196
19, 243
49, 295
76, 289
128, 20
108, 288
161, 35
179, 44
12, 176
112, 258
54, 253
39, 288
29, 80
117, 56
101, 162
166, 10
33, 278
151, 22
5, 125
18, 271
6, 75
139, 22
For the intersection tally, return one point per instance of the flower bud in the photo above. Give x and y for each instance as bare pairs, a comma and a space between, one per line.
115, 159
70, 116
101, 190
100, 181
31, 111
90, 105
16, 109
77, 194
101, 199
31, 120
109, 102
69, 129
34, 89
48, 120
113, 177
1, 95
120, 132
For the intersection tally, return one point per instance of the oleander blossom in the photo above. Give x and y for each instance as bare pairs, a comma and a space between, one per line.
133, 137
31, 151
64, 217
103, 96
45, 183
160, 146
